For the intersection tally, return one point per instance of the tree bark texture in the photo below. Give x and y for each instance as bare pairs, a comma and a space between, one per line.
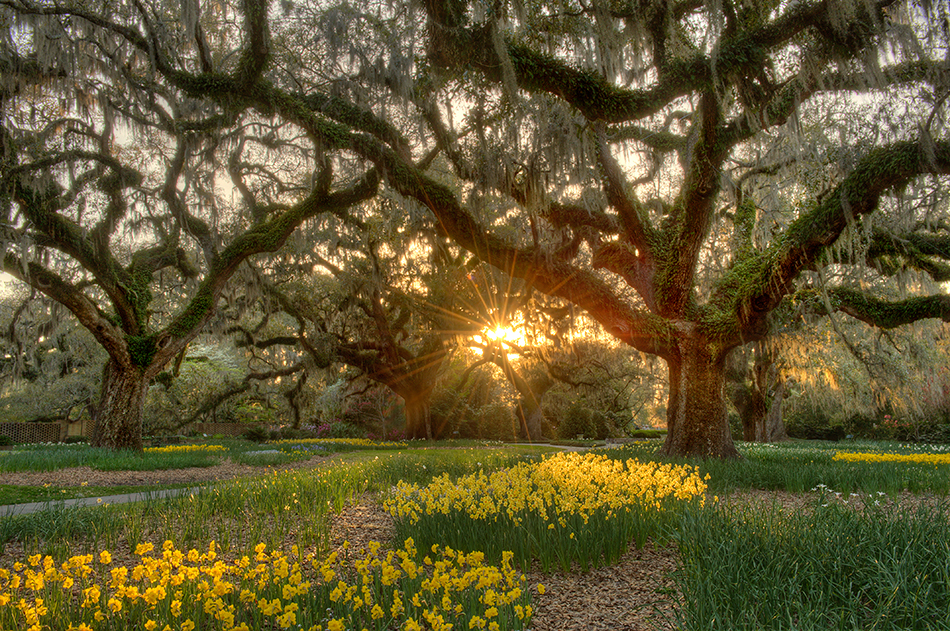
531, 417
418, 415
697, 424
773, 427
121, 405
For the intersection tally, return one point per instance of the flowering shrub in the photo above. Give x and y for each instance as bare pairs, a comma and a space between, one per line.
172, 589
568, 507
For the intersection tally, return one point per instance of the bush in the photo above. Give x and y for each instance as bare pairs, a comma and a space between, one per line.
938, 433
583, 421
344, 429
450, 414
496, 422
256, 434
5, 441
810, 423
70, 440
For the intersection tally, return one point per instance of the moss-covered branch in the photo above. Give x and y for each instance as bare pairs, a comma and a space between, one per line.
884, 314
924, 251
807, 237
757, 282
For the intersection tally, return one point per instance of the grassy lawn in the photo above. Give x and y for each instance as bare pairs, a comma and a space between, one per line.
469, 517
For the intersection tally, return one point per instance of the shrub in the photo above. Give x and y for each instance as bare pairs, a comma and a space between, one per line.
256, 434
451, 413
5, 440
810, 423
69, 440
583, 421
938, 433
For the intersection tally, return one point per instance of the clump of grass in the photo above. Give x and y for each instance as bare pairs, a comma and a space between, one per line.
829, 568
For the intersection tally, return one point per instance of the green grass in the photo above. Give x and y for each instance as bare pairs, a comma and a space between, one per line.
800, 466
750, 568
275, 508
831, 568
53, 457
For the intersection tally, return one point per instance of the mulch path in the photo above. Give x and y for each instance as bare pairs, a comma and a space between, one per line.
635, 594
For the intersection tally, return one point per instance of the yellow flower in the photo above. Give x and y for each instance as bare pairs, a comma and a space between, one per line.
336, 625
150, 625
105, 557
92, 595
540, 588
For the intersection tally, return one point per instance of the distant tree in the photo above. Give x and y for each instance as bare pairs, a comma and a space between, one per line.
49, 367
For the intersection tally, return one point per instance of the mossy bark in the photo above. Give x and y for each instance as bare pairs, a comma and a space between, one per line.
121, 406
697, 424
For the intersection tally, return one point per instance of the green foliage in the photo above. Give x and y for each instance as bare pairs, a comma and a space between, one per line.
811, 423
5, 441
496, 421
828, 567
581, 420
256, 434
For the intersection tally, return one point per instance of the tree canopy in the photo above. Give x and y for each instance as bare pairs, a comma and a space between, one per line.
651, 162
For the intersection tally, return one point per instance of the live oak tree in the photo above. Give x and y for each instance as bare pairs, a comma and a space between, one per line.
625, 136
372, 308
119, 150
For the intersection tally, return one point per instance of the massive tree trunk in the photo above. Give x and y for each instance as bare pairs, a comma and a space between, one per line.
418, 414
773, 427
121, 405
531, 417
697, 424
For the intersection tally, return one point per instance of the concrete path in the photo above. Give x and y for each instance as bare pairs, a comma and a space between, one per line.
12, 510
